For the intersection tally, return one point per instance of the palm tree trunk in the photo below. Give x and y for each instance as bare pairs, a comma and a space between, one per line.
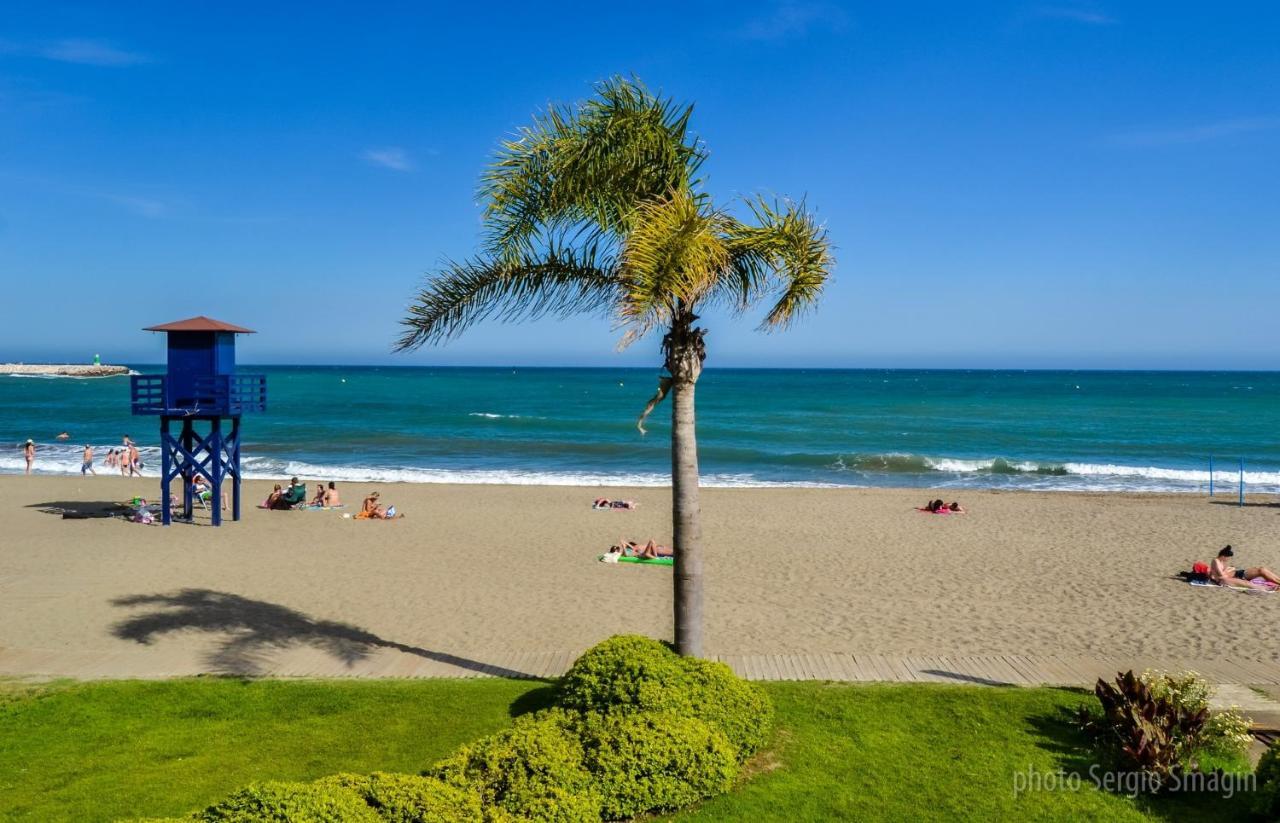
685, 353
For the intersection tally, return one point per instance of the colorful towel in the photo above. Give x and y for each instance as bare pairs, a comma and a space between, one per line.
645, 561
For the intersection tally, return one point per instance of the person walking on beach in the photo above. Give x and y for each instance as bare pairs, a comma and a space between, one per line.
29, 452
87, 463
132, 458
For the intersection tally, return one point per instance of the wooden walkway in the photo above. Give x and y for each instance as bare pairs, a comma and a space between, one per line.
309, 661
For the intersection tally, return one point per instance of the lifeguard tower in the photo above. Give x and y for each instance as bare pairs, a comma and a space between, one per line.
200, 390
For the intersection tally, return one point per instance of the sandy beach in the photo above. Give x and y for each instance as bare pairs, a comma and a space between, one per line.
477, 570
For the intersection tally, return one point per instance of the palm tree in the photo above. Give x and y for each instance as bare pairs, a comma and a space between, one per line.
598, 207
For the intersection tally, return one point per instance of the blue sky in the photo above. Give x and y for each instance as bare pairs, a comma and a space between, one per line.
1021, 184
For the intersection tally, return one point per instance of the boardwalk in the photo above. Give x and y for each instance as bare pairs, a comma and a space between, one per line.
303, 660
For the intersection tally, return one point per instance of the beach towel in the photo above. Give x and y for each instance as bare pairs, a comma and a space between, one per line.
1266, 588
613, 557
310, 508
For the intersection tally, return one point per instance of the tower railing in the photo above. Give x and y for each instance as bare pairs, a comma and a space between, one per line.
223, 394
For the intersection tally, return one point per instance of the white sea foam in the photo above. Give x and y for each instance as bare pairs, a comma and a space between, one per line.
64, 458
492, 416
263, 468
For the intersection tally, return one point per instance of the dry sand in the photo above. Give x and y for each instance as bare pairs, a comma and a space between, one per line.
476, 571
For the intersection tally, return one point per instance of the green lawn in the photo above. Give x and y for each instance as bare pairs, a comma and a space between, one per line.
101, 751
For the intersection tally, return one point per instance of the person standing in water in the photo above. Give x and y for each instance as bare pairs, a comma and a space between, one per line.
29, 452
86, 466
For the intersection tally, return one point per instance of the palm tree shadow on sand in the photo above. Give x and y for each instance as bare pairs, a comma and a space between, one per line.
254, 630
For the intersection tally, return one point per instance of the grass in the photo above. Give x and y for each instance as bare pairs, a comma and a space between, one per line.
102, 751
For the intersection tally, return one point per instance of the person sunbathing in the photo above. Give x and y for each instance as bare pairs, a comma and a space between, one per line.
276, 500
955, 508
371, 509
318, 500
650, 550
1224, 574
606, 503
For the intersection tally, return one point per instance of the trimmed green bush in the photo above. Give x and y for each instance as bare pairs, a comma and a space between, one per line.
1266, 800
535, 770
653, 761
291, 803
626, 671
409, 798
630, 673
740, 709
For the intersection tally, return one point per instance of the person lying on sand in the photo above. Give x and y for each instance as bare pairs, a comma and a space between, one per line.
1224, 574
939, 507
606, 503
650, 550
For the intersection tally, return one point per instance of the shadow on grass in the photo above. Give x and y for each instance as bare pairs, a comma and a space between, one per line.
1061, 736
967, 678
533, 700
253, 629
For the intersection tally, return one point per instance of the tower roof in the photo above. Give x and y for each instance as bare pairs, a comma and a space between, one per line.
200, 323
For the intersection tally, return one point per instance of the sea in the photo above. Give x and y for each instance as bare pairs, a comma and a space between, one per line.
1105, 431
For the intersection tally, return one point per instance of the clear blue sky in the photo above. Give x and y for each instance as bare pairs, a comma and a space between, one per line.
1019, 184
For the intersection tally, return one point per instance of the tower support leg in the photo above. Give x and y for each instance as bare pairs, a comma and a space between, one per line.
235, 463
215, 469
188, 469
166, 466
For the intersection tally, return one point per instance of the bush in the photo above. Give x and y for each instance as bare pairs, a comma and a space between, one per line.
1266, 798
647, 762
533, 770
291, 803
630, 673
1225, 735
1141, 732
625, 671
407, 798
739, 708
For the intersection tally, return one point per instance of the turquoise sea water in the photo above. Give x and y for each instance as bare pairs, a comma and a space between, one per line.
1005, 429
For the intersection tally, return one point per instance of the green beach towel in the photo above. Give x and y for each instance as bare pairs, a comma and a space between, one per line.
647, 561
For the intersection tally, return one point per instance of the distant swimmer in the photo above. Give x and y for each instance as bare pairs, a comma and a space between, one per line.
86, 466
29, 452
64, 436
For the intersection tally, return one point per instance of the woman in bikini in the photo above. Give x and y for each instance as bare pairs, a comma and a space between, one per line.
1224, 574
650, 550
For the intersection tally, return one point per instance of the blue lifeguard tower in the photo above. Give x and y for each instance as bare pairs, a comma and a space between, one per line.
200, 390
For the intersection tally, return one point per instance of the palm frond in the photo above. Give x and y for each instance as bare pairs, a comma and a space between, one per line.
674, 253
587, 165
787, 250
559, 283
